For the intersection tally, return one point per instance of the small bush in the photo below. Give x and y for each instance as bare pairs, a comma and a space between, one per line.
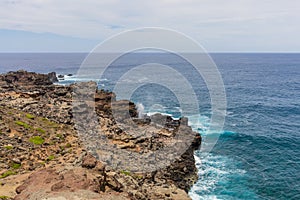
4, 198
50, 158
23, 124
40, 130
7, 173
127, 173
16, 166
8, 147
29, 116
36, 140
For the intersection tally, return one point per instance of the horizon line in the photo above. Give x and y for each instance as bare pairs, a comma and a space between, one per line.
209, 52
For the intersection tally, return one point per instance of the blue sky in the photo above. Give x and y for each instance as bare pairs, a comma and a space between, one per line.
218, 25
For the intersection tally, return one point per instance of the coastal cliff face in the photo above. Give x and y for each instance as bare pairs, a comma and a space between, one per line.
42, 156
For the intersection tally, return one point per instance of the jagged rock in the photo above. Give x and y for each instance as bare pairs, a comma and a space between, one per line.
52, 77
89, 161
71, 172
28, 78
75, 183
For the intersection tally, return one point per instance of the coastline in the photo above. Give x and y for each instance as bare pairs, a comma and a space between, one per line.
38, 136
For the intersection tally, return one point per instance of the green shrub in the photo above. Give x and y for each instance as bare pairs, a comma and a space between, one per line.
7, 173
36, 140
42, 163
4, 198
23, 124
15, 166
50, 158
8, 147
127, 173
40, 130
29, 116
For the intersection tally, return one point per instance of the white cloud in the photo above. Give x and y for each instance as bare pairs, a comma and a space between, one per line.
205, 20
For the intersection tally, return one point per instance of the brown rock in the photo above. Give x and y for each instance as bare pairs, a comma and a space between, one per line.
28, 92
50, 181
89, 161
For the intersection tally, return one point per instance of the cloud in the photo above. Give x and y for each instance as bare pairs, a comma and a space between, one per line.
204, 20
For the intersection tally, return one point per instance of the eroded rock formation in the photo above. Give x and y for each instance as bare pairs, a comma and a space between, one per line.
41, 140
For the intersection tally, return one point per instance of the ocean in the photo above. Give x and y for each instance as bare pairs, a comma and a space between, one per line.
257, 155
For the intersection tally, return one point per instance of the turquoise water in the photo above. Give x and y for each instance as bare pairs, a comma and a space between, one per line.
258, 154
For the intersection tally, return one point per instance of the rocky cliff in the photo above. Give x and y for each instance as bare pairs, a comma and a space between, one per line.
43, 156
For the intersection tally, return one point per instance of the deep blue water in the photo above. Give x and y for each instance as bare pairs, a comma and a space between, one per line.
258, 154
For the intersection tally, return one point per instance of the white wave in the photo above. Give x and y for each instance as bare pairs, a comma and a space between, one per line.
157, 112
212, 169
199, 123
141, 110
82, 78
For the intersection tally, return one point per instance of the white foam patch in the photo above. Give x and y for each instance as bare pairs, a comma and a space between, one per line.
212, 169
199, 123
141, 110
153, 113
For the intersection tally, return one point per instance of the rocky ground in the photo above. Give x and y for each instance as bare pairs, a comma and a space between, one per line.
46, 154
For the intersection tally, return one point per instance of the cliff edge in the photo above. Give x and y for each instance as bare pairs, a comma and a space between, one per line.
42, 156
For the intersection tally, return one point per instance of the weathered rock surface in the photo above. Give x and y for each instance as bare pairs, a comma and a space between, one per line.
38, 135
24, 78
73, 183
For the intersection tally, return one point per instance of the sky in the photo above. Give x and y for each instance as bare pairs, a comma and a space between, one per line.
218, 25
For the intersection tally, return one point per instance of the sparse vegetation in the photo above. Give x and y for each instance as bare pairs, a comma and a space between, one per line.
29, 116
15, 166
127, 173
40, 130
50, 158
50, 124
4, 197
37, 140
8, 147
68, 145
138, 177
20, 123
60, 136
7, 173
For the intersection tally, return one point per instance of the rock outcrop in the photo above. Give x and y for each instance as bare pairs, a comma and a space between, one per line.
41, 139
24, 78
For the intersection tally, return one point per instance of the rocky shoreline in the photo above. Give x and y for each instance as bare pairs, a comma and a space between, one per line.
43, 157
